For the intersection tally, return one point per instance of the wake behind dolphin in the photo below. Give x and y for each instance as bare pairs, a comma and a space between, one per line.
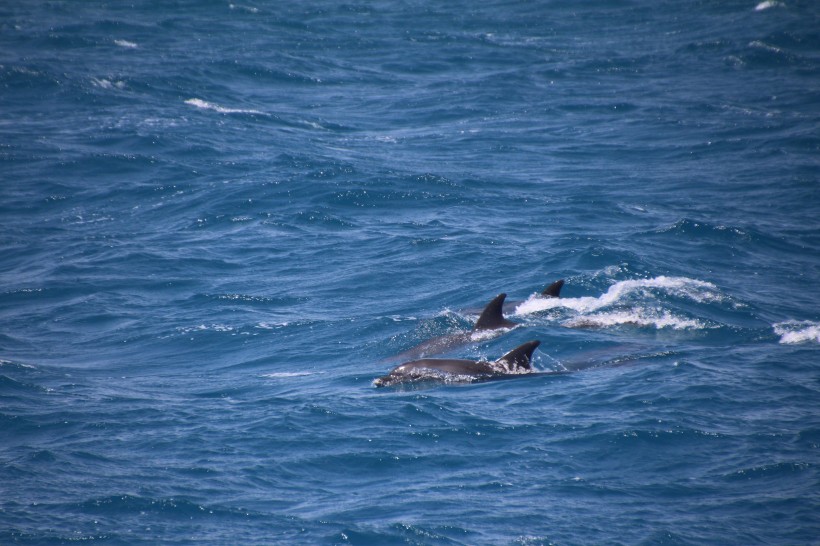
515, 362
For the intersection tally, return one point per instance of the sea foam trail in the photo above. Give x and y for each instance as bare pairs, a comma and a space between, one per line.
797, 331
618, 306
699, 291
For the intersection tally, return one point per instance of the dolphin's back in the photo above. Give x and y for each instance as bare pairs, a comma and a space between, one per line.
454, 366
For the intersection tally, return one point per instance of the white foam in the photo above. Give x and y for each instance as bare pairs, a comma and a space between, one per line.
203, 327
797, 331
286, 375
199, 103
102, 83
249, 9
699, 291
126, 44
763, 45
766, 5
272, 325
399, 318
504, 367
636, 317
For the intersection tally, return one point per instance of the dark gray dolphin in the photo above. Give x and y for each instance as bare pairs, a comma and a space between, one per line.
515, 362
492, 318
553, 290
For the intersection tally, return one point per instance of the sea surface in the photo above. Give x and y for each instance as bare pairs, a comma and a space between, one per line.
220, 221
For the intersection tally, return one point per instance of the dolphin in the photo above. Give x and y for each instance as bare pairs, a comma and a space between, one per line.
552, 291
491, 318
516, 362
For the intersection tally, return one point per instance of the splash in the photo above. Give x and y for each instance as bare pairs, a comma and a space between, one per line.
797, 331
484, 335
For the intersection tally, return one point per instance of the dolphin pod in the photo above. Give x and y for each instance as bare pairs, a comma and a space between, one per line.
515, 362
491, 318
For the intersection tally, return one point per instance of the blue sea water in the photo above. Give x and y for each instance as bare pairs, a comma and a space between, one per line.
218, 221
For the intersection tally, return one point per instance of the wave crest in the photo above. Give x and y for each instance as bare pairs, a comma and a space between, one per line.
797, 331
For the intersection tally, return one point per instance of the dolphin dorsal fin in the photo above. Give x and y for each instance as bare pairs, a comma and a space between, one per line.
520, 356
493, 316
553, 290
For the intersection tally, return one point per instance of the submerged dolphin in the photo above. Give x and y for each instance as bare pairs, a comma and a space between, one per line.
515, 362
492, 318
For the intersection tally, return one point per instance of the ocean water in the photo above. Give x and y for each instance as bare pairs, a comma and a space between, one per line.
219, 221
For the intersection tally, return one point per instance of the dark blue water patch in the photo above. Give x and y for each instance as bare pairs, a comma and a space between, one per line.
807, 438
130, 518
168, 507
779, 473
402, 532
285, 70
249, 300
15, 424
28, 77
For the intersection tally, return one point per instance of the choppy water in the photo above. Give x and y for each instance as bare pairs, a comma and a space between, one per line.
218, 220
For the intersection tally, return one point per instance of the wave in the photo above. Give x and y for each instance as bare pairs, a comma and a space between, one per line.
766, 5
12, 364
205, 105
797, 331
